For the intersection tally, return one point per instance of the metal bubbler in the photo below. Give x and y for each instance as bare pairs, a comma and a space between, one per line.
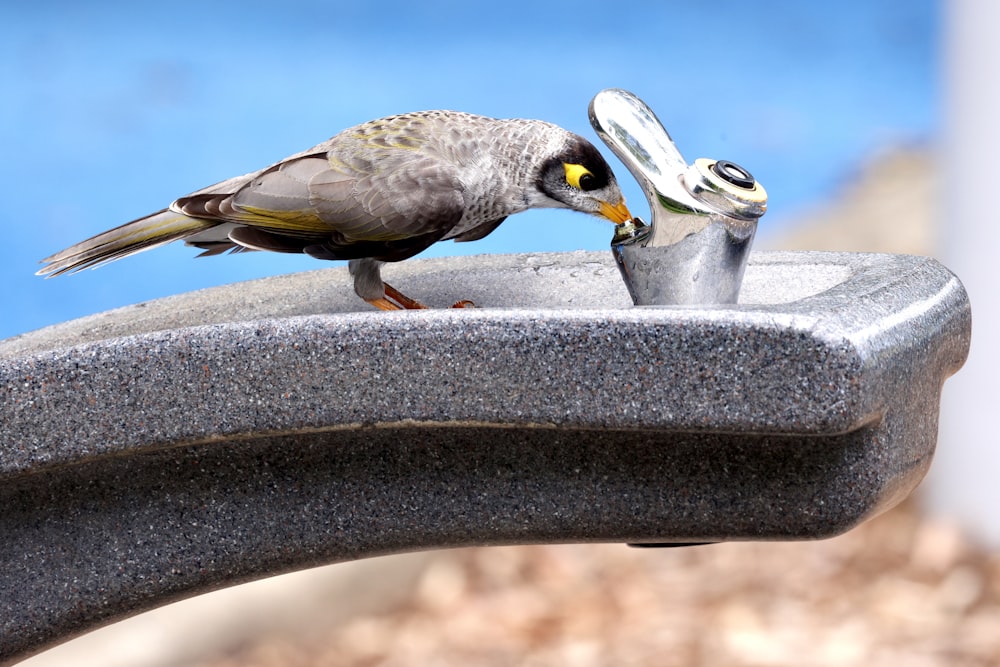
703, 216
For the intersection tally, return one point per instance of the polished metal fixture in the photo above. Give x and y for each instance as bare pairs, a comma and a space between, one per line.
703, 216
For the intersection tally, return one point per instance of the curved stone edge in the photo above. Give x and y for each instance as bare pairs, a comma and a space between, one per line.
727, 370
545, 281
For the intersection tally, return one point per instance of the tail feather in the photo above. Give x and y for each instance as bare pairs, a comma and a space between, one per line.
132, 237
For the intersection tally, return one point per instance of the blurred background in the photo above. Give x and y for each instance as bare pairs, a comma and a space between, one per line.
849, 113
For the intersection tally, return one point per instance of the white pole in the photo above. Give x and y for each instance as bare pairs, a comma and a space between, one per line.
964, 481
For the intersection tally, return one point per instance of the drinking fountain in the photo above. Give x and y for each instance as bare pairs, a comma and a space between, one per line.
173, 447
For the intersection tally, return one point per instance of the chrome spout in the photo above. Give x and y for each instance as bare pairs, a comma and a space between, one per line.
703, 216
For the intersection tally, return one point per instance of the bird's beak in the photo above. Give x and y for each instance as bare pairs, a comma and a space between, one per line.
616, 213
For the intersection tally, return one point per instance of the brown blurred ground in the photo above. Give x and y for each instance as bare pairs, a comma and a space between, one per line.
901, 590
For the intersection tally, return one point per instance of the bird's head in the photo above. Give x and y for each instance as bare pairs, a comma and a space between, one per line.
578, 177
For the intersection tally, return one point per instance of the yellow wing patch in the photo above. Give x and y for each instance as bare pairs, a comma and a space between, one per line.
286, 221
386, 138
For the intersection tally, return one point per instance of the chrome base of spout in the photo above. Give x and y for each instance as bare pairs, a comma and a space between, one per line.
704, 268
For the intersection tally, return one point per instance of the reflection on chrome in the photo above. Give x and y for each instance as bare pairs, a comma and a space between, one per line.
703, 215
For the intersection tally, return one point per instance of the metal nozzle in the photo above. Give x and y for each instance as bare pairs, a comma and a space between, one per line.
704, 215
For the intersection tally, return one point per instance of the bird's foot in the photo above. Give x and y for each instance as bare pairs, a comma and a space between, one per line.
384, 304
402, 301
396, 300
393, 299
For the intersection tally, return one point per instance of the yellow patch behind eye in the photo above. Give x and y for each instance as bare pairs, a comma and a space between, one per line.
574, 172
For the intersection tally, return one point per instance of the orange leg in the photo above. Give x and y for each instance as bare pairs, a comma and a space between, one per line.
383, 304
401, 299
396, 300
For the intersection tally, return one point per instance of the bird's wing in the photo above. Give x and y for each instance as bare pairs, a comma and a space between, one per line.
351, 203
274, 199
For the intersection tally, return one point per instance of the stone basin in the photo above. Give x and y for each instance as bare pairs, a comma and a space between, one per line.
173, 447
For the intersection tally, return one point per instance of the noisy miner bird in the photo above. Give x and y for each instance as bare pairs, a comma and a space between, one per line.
378, 192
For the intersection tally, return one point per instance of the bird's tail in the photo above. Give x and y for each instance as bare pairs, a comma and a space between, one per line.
132, 237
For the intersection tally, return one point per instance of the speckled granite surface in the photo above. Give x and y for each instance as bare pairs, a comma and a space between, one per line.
169, 448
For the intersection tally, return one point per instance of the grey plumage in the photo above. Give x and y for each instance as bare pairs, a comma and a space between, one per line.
382, 191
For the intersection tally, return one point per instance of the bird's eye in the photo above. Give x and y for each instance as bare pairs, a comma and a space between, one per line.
580, 177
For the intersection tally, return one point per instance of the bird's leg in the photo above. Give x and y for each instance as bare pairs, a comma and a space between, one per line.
384, 304
401, 301
396, 300
393, 299
368, 284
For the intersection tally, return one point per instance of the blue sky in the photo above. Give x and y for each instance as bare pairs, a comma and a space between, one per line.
112, 110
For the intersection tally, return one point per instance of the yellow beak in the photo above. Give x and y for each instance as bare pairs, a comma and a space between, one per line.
616, 213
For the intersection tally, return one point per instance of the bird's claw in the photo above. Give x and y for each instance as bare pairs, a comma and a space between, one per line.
401, 300
396, 300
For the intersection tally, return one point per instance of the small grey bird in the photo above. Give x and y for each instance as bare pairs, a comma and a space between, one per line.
378, 192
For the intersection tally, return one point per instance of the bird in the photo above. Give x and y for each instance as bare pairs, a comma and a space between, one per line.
382, 191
